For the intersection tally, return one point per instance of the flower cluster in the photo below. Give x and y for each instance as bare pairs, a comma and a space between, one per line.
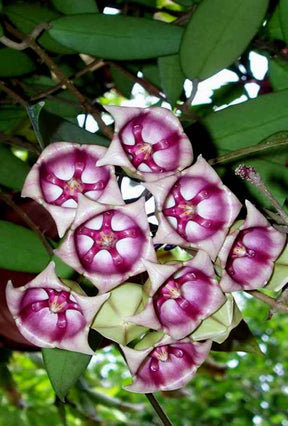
166, 326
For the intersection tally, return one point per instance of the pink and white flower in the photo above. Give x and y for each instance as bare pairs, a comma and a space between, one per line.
49, 314
106, 243
180, 296
169, 365
149, 143
248, 254
63, 171
195, 208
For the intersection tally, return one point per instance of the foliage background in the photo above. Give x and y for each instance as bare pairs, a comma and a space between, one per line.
92, 62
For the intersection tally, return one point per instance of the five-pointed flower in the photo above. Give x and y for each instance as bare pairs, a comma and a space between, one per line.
49, 314
106, 243
180, 296
195, 208
248, 254
62, 172
149, 143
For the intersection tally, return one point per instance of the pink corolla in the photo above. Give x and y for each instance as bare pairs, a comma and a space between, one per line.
195, 208
49, 314
181, 296
169, 365
248, 253
63, 171
149, 143
106, 243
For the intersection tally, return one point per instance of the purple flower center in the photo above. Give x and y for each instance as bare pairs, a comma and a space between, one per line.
144, 155
123, 245
163, 354
187, 211
64, 177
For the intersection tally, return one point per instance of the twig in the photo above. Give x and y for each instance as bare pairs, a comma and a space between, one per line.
25, 43
275, 304
87, 106
155, 404
187, 104
182, 20
14, 140
4, 197
12, 94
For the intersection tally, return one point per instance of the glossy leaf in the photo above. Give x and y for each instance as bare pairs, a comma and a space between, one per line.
64, 368
218, 32
14, 63
12, 170
25, 18
123, 83
72, 7
116, 37
171, 76
278, 74
284, 18
33, 112
274, 28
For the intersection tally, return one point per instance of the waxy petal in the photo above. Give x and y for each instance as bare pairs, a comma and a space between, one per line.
106, 243
194, 208
248, 253
64, 170
169, 365
49, 314
149, 143
178, 303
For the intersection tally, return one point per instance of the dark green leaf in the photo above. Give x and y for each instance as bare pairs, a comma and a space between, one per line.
34, 113
172, 77
240, 339
117, 37
284, 18
14, 63
21, 249
27, 17
273, 29
12, 170
227, 93
186, 2
55, 129
64, 368
1, 30
72, 7
278, 74
10, 117
151, 73
123, 83
65, 105
218, 32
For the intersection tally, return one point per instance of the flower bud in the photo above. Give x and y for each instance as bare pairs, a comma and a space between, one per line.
195, 209
106, 243
49, 314
149, 143
248, 254
169, 365
178, 302
63, 171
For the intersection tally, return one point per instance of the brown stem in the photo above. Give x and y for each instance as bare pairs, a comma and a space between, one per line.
275, 304
8, 200
86, 104
12, 94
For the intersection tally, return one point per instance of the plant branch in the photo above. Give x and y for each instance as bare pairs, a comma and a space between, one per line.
159, 411
14, 140
85, 103
12, 94
8, 200
276, 304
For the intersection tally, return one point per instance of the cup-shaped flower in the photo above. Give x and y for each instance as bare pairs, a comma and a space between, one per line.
106, 243
178, 302
219, 325
169, 365
248, 254
149, 143
62, 172
111, 320
195, 208
49, 314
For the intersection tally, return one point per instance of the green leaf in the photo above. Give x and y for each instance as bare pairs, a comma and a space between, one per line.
64, 368
171, 76
279, 277
151, 73
123, 83
274, 29
278, 74
283, 9
55, 129
14, 63
65, 105
10, 117
227, 93
1, 30
33, 112
72, 7
117, 37
21, 249
27, 17
13, 171
217, 33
